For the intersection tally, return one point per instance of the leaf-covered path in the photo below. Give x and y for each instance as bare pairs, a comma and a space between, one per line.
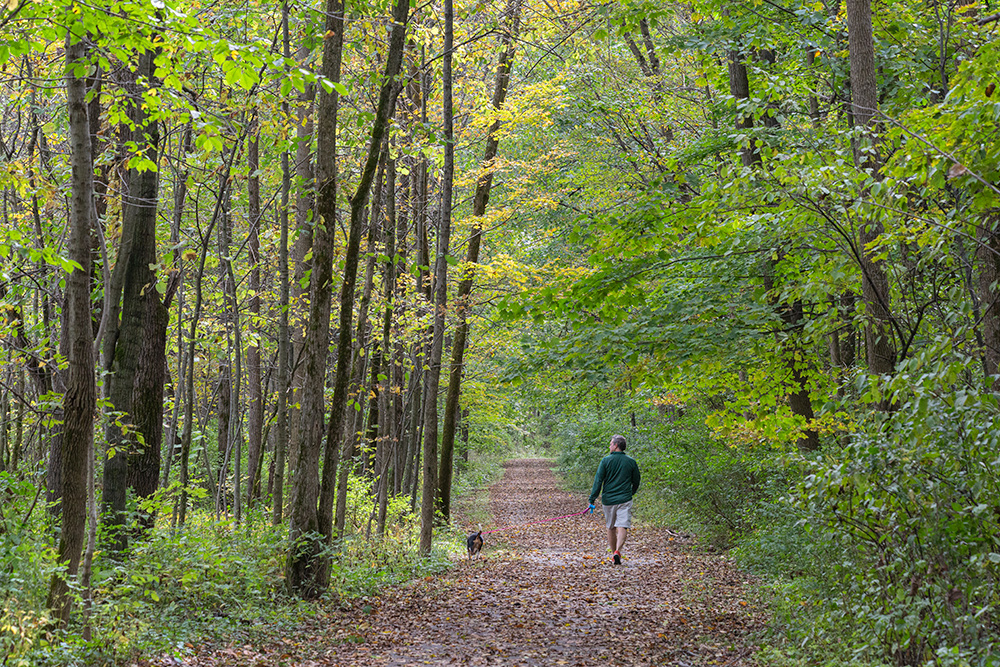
547, 594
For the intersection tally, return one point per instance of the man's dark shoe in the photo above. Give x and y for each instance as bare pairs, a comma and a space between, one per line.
618, 558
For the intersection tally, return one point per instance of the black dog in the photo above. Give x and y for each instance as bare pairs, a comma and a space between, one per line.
474, 544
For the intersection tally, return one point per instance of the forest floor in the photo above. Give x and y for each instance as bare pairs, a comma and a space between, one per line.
541, 594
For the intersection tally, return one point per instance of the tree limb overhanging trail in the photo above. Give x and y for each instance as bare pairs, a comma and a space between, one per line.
544, 594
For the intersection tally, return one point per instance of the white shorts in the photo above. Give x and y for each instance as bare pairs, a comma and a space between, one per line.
618, 516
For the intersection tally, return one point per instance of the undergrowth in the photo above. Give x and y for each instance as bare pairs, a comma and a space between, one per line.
213, 581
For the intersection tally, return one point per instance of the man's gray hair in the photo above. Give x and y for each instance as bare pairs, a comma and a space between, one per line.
619, 442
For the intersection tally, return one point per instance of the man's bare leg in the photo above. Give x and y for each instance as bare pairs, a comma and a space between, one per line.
620, 535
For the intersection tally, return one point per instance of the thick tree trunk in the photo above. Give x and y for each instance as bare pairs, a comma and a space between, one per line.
988, 259
879, 343
479, 204
135, 348
305, 571
305, 202
79, 401
739, 87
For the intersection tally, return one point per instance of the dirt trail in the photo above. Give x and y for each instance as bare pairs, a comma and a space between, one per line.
547, 594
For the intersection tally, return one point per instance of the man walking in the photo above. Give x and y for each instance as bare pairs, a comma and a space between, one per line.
619, 476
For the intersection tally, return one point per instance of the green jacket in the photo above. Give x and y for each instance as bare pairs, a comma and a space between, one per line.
619, 475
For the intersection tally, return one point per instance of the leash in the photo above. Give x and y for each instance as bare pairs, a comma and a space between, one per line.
532, 523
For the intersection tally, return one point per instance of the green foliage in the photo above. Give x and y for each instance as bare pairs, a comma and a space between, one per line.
212, 580
911, 508
713, 485
582, 449
27, 560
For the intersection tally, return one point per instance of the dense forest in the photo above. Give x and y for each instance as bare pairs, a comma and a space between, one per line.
280, 281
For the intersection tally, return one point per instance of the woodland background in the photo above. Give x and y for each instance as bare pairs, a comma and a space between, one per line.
279, 279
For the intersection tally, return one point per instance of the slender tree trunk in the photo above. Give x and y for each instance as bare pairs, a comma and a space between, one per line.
387, 441
281, 437
398, 373
45, 374
192, 342
351, 438
255, 421
224, 389
180, 197
430, 485
483, 187
233, 436
359, 203
79, 401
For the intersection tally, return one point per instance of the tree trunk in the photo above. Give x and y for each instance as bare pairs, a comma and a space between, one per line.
480, 201
387, 442
879, 342
224, 388
988, 259
430, 485
305, 571
135, 348
359, 203
180, 196
192, 342
234, 439
739, 87
304, 208
281, 436
79, 401
398, 375
255, 421
358, 365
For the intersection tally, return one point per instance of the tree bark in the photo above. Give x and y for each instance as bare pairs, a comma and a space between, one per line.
988, 259
180, 196
135, 348
483, 186
739, 87
879, 342
305, 570
255, 417
429, 494
79, 401
358, 359
359, 202
192, 349
305, 207
281, 436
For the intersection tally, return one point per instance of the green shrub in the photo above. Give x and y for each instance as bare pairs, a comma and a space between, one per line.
912, 510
